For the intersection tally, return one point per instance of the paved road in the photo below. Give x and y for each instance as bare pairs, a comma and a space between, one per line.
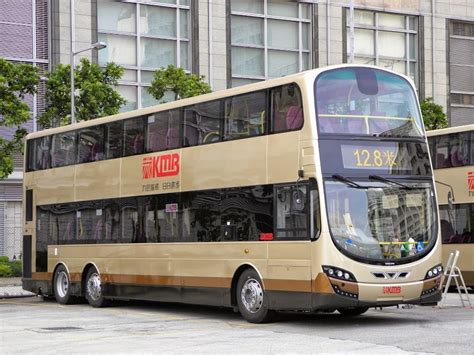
34, 325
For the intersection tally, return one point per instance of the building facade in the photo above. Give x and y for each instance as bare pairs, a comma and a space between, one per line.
236, 42
23, 39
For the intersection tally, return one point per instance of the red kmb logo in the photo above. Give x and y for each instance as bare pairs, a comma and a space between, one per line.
160, 166
470, 180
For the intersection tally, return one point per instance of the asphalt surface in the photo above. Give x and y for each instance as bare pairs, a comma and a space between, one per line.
37, 325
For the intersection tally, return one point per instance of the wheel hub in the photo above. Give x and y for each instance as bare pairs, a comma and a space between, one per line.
62, 284
252, 295
94, 287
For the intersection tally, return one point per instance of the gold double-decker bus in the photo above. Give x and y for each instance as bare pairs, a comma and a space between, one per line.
310, 192
452, 153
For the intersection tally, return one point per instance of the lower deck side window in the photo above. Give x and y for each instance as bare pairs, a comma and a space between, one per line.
457, 225
262, 212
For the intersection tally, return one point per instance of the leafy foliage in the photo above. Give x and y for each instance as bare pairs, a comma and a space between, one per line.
178, 81
16, 81
95, 95
10, 268
433, 115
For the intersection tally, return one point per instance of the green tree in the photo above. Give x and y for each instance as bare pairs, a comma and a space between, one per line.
16, 81
178, 81
95, 95
433, 115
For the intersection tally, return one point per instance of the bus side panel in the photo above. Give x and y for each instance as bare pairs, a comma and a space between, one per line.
170, 272
62, 190
283, 157
243, 161
288, 279
465, 261
98, 179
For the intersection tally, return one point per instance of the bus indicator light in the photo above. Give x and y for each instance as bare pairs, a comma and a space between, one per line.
392, 289
160, 166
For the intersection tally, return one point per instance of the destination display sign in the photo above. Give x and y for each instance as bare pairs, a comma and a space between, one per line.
369, 157
374, 157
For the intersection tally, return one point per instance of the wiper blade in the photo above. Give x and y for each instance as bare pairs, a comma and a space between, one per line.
380, 178
347, 181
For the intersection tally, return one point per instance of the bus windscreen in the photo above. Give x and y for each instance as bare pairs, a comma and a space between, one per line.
367, 102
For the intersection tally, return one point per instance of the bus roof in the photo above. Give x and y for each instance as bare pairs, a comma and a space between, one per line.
309, 74
450, 130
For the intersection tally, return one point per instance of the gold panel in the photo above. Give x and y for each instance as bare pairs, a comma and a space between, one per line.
234, 163
47, 192
283, 157
98, 179
458, 179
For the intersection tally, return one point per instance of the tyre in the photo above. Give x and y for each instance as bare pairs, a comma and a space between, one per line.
62, 285
352, 312
93, 289
251, 298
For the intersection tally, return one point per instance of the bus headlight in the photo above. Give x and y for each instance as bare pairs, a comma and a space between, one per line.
434, 272
342, 281
338, 273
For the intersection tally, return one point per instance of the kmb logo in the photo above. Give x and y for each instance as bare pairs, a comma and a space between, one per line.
160, 166
470, 180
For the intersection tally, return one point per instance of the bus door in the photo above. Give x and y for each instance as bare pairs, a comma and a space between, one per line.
289, 255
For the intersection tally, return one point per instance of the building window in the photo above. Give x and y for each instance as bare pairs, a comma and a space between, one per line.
143, 38
461, 72
386, 40
269, 39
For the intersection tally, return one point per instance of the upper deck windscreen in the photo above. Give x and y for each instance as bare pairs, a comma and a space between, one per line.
366, 101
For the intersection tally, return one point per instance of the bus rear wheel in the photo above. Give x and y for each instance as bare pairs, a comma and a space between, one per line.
251, 299
62, 285
93, 289
352, 312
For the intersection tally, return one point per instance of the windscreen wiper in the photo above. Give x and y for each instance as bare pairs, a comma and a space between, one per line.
347, 181
380, 178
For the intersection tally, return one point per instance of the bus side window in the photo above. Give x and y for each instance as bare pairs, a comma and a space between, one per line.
202, 220
315, 212
292, 212
114, 144
287, 108
246, 213
191, 131
209, 121
112, 222
91, 144
245, 115
163, 131
134, 140
39, 156
63, 151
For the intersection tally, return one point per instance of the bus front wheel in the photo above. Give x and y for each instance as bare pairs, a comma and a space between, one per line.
251, 299
352, 312
62, 285
94, 294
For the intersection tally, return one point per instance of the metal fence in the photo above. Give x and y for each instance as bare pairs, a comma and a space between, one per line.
11, 238
11, 246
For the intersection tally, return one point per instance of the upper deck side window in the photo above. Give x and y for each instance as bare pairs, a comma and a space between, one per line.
274, 110
38, 154
368, 102
163, 130
452, 150
245, 115
287, 108
90, 144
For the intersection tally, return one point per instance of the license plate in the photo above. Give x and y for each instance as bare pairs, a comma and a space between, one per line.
392, 289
